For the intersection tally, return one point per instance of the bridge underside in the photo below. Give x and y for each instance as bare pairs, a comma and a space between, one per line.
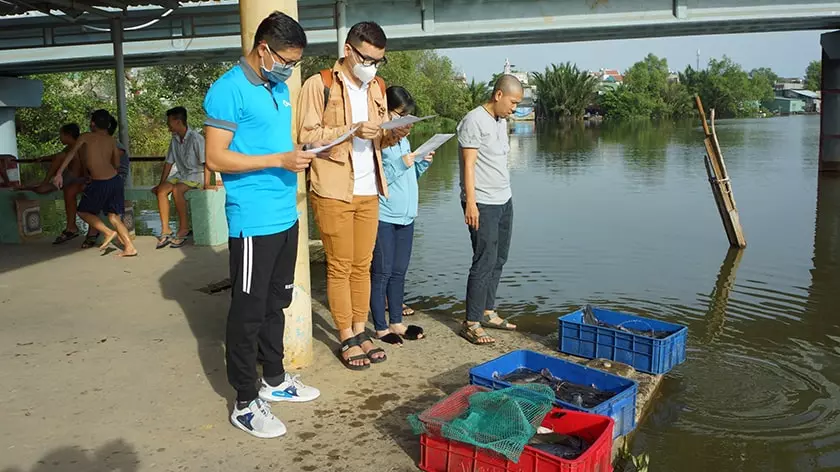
202, 33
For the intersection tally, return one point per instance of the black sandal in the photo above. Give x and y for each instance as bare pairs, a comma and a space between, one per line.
66, 236
347, 344
89, 241
363, 338
413, 333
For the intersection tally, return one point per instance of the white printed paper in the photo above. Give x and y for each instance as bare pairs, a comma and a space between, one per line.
433, 143
337, 140
404, 121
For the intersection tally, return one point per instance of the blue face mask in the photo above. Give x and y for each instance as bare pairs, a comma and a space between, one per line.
279, 72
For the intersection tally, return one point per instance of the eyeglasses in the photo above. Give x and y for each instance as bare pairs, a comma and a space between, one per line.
285, 61
369, 61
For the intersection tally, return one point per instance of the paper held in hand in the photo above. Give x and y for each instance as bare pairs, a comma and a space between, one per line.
337, 140
433, 143
404, 121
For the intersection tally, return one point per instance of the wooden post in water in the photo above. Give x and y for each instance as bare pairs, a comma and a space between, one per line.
719, 180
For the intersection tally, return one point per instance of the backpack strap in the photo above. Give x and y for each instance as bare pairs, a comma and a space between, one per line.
327, 78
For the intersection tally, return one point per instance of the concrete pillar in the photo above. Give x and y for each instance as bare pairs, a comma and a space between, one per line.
298, 339
119, 72
830, 116
15, 93
340, 26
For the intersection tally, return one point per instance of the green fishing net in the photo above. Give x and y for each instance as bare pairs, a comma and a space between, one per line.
502, 420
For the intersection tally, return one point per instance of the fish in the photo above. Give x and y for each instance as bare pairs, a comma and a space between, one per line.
581, 396
561, 445
590, 319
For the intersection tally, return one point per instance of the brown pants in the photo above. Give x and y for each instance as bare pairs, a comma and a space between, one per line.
348, 231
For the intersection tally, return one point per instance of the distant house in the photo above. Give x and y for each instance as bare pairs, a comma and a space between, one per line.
786, 106
810, 99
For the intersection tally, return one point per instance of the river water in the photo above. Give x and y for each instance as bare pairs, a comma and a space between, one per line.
623, 217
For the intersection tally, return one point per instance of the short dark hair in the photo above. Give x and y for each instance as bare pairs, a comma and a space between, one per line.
367, 32
71, 129
112, 125
101, 119
179, 113
280, 31
398, 97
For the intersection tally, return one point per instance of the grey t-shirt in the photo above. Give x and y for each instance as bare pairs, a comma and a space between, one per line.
479, 130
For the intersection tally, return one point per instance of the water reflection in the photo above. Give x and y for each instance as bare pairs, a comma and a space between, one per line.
719, 298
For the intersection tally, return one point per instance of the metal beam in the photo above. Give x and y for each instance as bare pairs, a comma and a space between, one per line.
680, 9
427, 14
340, 26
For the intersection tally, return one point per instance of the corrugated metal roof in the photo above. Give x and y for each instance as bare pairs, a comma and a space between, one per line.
806, 93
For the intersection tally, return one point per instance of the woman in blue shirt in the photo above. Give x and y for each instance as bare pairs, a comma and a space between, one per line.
396, 229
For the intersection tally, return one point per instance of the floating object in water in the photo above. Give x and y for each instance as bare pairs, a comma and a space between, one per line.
563, 446
581, 396
590, 319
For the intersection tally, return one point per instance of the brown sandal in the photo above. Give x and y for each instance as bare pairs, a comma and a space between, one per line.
475, 333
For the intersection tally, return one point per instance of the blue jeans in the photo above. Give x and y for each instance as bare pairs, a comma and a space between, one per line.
387, 272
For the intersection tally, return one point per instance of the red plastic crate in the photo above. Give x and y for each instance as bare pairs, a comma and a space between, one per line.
439, 454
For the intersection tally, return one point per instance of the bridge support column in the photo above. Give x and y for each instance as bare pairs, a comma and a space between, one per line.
298, 339
119, 75
830, 116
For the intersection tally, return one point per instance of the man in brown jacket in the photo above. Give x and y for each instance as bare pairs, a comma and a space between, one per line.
345, 188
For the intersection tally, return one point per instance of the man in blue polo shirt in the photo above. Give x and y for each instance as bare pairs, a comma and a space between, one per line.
249, 140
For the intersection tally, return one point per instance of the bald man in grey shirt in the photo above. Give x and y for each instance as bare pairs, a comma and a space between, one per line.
488, 208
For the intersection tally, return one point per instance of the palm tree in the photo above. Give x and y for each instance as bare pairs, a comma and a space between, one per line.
564, 91
477, 93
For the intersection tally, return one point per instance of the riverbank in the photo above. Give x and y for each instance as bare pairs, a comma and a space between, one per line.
119, 364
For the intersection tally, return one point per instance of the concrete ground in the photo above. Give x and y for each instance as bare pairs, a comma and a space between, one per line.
118, 365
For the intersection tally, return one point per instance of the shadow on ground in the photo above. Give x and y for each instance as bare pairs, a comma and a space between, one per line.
186, 283
114, 456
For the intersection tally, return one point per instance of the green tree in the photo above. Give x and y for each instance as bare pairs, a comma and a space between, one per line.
477, 93
726, 87
648, 91
563, 91
764, 80
813, 76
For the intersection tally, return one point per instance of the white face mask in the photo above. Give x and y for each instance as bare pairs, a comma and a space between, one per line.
364, 73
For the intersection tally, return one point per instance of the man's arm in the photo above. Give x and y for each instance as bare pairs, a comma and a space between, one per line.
116, 154
71, 154
310, 114
470, 156
221, 159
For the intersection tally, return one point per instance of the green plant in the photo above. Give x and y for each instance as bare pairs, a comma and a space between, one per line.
627, 462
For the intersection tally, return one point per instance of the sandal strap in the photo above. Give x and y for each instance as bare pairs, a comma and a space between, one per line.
349, 343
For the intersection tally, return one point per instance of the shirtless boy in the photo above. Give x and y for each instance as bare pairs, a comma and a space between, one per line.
105, 191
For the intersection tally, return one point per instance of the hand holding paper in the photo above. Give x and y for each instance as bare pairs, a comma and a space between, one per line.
431, 145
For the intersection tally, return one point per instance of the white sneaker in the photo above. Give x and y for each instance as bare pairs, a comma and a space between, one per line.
256, 419
291, 390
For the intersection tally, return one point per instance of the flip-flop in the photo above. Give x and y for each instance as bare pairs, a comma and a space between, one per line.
363, 338
89, 242
180, 241
413, 333
65, 236
164, 240
504, 325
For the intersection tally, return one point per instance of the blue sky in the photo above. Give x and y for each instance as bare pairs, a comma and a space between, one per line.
788, 53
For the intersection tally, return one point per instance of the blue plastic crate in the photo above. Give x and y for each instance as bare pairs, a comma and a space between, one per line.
621, 408
644, 353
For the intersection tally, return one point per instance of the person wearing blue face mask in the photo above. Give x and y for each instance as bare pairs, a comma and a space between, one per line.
248, 139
